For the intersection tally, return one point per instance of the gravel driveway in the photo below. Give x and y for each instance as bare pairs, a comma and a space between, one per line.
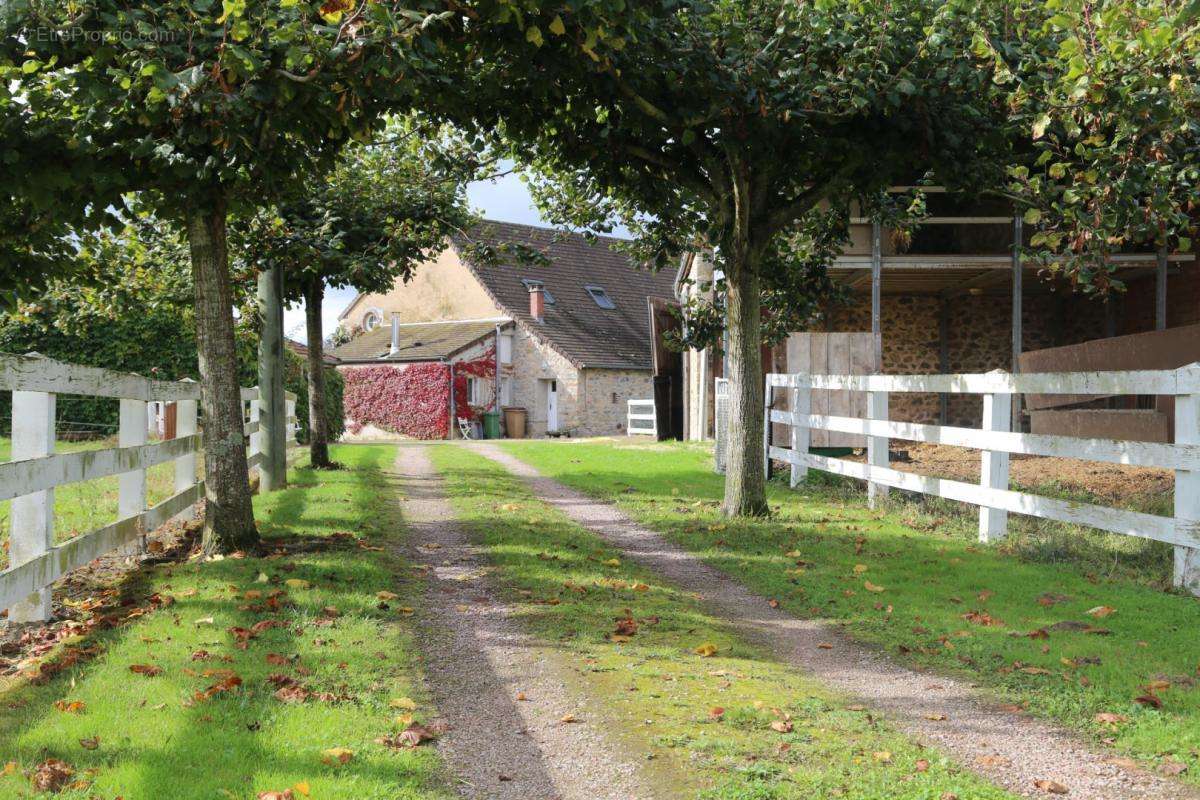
1011, 749
480, 664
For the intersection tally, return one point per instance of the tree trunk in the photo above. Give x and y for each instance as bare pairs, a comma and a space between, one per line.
745, 480
318, 424
228, 514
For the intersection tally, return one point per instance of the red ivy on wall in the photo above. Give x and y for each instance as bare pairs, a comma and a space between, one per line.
413, 400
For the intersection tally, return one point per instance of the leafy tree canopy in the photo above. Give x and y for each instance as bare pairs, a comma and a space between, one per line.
1106, 92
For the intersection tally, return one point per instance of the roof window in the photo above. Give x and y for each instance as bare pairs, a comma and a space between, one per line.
601, 297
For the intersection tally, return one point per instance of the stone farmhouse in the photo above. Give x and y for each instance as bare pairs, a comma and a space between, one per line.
567, 339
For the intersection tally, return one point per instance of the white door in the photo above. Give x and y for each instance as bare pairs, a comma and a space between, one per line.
551, 405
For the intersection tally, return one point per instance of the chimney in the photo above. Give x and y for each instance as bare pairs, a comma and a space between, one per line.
395, 332
537, 302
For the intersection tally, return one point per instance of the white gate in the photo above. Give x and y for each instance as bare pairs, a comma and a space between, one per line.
640, 418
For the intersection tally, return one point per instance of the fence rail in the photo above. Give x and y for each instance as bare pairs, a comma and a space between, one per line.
640, 418
997, 442
30, 479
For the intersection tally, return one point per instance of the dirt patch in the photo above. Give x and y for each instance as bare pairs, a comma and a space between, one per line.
1115, 483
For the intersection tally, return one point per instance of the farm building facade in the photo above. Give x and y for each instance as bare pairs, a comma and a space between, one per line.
564, 336
958, 298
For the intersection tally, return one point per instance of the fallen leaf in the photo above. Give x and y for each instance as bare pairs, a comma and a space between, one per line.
9, 769
1109, 718
1051, 787
297, 583
859, 569
1123, 763
277, 660
568, 719
922, 765
1172, 768
71, 707
406, 703
286, 794
781, 726
935, 717
824, 646
613, 562
1149, 699
52, 775
706, 650
301, 788
1099, 612
870, 587
149, 670
716, 712
386, 596
882, 756
90, 744
412, 736
336, 755
203, 621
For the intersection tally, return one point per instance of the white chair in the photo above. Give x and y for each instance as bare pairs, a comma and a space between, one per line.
464, 427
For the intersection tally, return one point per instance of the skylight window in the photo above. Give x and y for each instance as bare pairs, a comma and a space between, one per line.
531, 283
601, 297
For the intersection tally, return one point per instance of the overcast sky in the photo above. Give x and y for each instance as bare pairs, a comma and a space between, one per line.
504, 200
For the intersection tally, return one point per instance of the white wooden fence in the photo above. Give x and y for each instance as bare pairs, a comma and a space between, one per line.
30, 478
640, 418
996, 442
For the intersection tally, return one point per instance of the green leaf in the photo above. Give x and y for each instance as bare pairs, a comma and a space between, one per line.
1040, 124
534, 34
1033, 216
557, 27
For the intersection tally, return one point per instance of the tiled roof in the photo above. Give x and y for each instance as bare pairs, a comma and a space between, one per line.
585, 333
301, 350
419, 341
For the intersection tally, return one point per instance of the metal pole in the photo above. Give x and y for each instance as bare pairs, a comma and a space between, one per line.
1017, 338
273, 413
1160, 291
877, 295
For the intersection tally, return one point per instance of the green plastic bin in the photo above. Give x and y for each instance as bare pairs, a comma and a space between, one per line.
491, 424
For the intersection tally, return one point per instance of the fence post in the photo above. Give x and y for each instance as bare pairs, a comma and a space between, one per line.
801, 434
768, 395
185, 425
131, 499
289, 417
877, 446
256, 438
997, 416
32, 532
1187, 489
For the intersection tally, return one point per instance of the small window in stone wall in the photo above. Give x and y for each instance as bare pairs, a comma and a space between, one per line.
615, 398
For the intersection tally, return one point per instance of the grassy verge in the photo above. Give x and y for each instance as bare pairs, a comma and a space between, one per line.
83, 507
734, 725
922, 590
160, 708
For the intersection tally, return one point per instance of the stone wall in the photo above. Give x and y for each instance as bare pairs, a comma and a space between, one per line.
1137, 306
607, 393
980, 339
533, 364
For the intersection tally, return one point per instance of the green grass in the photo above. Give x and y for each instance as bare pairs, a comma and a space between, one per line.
932, 577
570, 589
83, 507
157, 740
